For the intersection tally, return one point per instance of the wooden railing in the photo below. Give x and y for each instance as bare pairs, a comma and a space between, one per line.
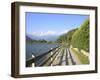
29, 62
45, 59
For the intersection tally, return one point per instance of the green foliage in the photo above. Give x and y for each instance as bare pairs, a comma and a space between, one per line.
80, 38
36, 41
51, 42
66, 38
83, 59
42, 41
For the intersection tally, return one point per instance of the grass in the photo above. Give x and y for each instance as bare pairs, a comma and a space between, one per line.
83, 59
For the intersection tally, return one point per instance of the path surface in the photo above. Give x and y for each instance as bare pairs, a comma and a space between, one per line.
66, 57
60, 56
75, 57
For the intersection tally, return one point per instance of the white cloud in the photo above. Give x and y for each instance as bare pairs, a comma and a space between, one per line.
48, 33
64, 32
44, 33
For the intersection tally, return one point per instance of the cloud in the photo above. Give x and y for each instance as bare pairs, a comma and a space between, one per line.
48, 33
44, 33
63, 32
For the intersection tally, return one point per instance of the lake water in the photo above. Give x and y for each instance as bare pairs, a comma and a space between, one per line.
38, 48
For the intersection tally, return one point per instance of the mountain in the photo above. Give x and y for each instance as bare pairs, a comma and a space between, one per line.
67, 37
45, 37
28, 38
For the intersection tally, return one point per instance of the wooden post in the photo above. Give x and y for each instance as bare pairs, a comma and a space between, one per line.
51, 57
33, 63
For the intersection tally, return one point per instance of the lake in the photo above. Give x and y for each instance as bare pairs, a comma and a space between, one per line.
38, 48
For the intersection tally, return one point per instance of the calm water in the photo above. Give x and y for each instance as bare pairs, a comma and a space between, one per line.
38, 48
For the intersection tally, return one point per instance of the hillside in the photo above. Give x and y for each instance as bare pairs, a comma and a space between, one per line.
30, 40
78, 38
66, 38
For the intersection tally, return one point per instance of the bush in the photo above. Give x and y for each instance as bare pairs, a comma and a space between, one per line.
67, 37
80, 38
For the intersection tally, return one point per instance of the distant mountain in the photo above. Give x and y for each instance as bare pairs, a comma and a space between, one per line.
46, 37
28, 38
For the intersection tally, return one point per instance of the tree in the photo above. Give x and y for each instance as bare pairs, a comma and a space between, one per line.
80, 38
67, 37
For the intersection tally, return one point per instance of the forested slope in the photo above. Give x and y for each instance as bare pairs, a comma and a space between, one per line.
78, 38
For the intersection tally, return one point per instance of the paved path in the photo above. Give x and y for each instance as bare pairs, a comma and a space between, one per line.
75, 57
61, 56
65, 57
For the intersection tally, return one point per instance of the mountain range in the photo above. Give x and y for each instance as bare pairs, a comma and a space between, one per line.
45, 37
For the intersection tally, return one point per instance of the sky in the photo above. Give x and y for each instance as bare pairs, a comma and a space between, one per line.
41, 24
